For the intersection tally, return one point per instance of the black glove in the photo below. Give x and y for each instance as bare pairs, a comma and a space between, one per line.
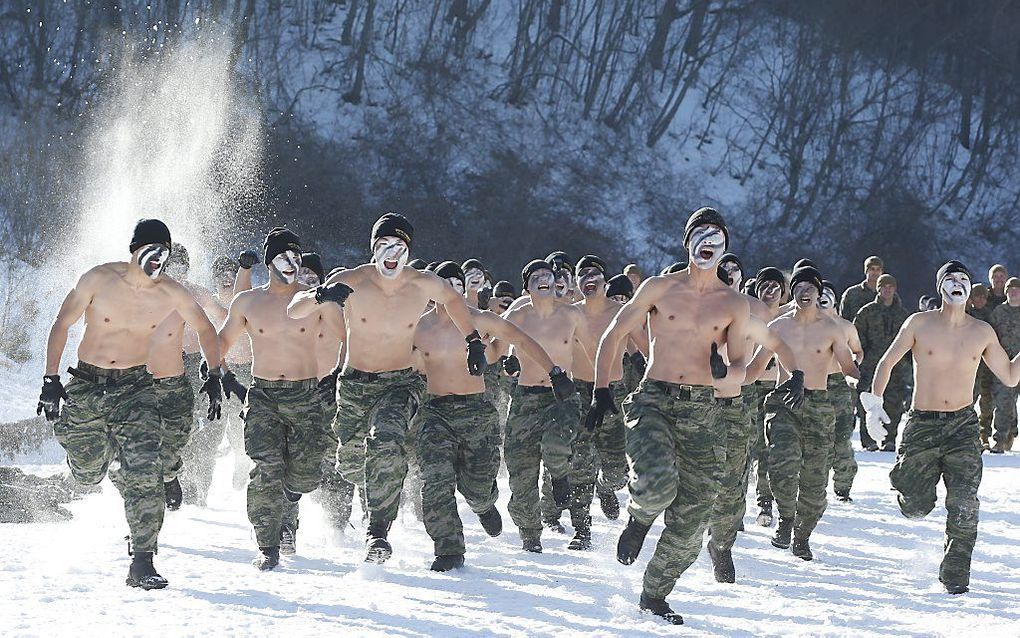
476, 361
794, 389
601, 402
337, 292
638, 361
212, 388
247, 259
327, 387
715, 361
232, 386
562, 385
512, 365
484, 297
49, 399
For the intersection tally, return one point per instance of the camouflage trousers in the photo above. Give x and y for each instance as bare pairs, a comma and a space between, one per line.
800, 455
285, 438
631, 375
934, 446
112, 422
235, 427
539, 432
759, 449
1004, 421
201, 451
844, 465
737, 423
458, 451
373, 418
176, 401
598, 460
983, 398
677, 459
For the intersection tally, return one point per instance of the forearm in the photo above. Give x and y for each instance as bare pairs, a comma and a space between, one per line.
242, 281
881, 379
55, 347
606, 356
302, 305
210, 344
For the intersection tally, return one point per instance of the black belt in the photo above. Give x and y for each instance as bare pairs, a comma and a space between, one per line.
533, 389
682, 391
358, 375
937, 414
95, 374
737, 400
454, 398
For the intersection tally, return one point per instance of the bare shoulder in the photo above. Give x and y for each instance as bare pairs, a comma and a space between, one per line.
737, 302
521, 310
352, 276
574, 312
101, 274
758, 308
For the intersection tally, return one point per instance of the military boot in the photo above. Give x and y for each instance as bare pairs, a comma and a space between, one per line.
379, 548
631, 540
660, 608
143, 574
781, 538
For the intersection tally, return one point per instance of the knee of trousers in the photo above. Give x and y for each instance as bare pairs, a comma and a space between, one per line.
915, 506
654, 493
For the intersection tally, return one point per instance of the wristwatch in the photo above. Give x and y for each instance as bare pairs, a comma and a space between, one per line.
555, 371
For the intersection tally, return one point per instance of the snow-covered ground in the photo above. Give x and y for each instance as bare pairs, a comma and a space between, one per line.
875, 573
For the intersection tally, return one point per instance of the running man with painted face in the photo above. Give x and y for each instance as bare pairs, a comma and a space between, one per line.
284, 419
673, 443
544, 408
110, 412
940, 439
800, 442
843, 399
378, 390
477, 292
458, 444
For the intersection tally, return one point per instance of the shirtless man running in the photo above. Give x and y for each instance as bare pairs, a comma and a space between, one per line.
110, 410
458, 445
378, 391
674, 446
800, 442
843, 399
940, 440
542, 421
284, 418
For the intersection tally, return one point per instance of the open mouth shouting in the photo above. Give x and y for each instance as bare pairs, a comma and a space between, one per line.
707, 245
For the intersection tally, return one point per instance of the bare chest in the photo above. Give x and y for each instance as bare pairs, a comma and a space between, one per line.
267, 319
938, 348
123, 308
687, 317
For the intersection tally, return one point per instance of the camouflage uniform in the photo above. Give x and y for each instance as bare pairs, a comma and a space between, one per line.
114, 416
457, 450
677, 459
854, 298
631, 374
934, 446
373, 417
737, 418
284, 436
877, 325
235, 426
800, 455
176, 400
844, 465
539, 433
983, 382
202, 449
1005, 320
759, 449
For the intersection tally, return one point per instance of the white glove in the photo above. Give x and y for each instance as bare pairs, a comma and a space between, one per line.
875, 416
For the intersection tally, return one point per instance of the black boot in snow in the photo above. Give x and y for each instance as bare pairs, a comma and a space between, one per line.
531, 540
268, 558
660, 608
288, 539
448, 562
765, 515
379, 549
722, 564
491, 521
610, 504
781, 538
143, 574
801, 549
173, 494
631, 540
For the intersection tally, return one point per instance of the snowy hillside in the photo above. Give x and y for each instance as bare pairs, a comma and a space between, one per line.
874, 573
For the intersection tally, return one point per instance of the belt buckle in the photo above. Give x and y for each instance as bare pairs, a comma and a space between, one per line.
684, 392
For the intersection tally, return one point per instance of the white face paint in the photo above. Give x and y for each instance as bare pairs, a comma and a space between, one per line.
827, 300
564, 283
736, 277
707, 246
955, 288
308, 277
591, 281
805, 294
457, 284
151, 259
285, 266
390, 256
770, 292
475, 278
541, 283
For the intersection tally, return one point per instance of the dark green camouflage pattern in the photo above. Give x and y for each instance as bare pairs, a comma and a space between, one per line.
942, 446
285, 437
458, 451
176, 400
877, 325
800, 455
1005, 319
759, 450
118, 423
677, 459
844, 465
736, 422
